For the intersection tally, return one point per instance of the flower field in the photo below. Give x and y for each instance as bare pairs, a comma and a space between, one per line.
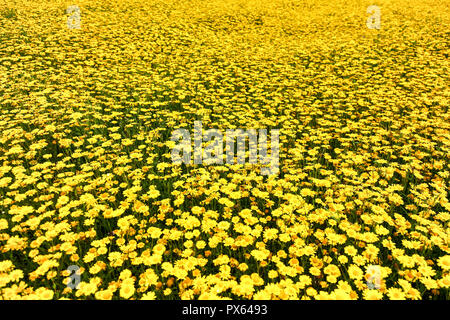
87, 182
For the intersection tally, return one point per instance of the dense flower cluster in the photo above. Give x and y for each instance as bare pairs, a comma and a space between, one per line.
86, 176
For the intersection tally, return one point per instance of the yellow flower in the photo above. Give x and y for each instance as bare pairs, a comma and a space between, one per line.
262, 295
355, 272
396, 294
341, 295
103, 295
127, 290
343, 259
44, 293
154, 193
159, 248
311, 292
444, 262
149, 296
200, 244
223, 225
242, 267
315, 271
3, 224
372, 294
273, 274
332, 270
